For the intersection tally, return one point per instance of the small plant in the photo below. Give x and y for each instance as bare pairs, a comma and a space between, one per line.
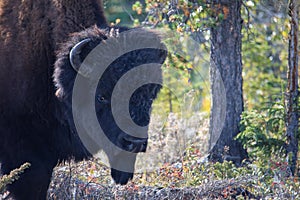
263, 131
13, 176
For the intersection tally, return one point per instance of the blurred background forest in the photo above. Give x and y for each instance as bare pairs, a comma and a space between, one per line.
264, 56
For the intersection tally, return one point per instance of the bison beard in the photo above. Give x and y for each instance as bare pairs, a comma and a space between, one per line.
36, 84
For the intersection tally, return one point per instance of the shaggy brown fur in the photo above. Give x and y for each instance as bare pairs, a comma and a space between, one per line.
30, 33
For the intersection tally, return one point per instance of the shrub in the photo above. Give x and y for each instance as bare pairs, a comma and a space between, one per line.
12, 176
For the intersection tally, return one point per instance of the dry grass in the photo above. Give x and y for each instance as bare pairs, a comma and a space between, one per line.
75, 182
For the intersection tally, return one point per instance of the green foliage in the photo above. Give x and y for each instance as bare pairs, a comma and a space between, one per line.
124, 13
199, 172
137, 7
263, 131
12, 177
183, 16
264, 53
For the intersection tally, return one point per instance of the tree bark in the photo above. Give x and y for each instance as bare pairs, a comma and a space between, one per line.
226, 83
292, 121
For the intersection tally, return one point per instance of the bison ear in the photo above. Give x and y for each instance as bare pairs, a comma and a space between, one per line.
74, 56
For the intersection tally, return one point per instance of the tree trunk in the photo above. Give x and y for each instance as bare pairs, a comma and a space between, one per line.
226, 83
292, 121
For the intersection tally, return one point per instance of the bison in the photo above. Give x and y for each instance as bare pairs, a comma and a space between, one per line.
43, 46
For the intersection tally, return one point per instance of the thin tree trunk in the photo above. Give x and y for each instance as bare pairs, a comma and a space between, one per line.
170, 101
292, 121
227, 96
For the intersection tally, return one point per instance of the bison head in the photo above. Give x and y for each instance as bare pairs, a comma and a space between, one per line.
109, 83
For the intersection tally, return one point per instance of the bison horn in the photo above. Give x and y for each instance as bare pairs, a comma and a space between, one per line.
74, 56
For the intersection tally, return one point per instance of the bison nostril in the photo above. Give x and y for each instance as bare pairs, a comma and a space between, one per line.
128, 144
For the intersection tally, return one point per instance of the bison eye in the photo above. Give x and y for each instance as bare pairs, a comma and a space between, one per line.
102, 99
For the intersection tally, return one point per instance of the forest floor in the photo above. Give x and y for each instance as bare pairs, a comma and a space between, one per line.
175, 168
173, 139
75, 182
